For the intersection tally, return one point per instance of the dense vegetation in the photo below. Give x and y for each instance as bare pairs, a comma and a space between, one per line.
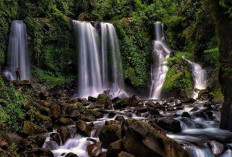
189, 31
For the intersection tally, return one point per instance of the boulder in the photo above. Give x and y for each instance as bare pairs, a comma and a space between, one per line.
114, 148
92, 99
94, 149
56, 137
143, 140
120, 118
134, 101
185, 114
102, 97
65, 121
71, 155
109, 134
64, 133
111, 115
169, 124
125, 154
120, 104
83, 128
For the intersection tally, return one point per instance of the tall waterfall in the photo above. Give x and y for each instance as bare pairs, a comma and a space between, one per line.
159, 69
200, 78
99, 62
18, 52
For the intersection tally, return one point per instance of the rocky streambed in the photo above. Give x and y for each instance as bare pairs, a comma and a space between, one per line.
120, 127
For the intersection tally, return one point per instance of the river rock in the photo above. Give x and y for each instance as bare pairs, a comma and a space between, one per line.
169, 124
55, 137
125, 154
216, 147
114, 148
39, 152
111, 115
120, 118
30, 129
92, 99
71, 155
109, 134
94, 149
185, 114
83, 128
120, 104
142, 140
65, 121
51, 145
64, 133
134, 101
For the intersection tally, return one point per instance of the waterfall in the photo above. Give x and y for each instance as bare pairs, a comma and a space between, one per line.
18, 52
199, 76
99, 61
159, 69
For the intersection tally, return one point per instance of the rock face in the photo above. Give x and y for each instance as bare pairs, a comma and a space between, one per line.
169, 124
109, 134
142, 140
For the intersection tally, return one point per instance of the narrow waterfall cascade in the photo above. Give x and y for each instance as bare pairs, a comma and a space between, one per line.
199, 76
18, 57
111, 70
159, 69
89, 68
99, 61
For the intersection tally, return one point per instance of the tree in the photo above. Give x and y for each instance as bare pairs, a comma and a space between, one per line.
222, 15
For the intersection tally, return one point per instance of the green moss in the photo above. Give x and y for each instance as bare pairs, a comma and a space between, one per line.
179, 81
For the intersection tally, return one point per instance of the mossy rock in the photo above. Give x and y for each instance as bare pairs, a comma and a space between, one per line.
30, 128
109, 134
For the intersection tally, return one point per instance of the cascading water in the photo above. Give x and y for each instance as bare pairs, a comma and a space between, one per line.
199, 76
99, 62
90, 81
112, 76
18, 57
159, 69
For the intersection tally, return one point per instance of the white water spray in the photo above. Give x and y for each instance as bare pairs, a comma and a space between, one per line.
159, 69
18, 52
99, 61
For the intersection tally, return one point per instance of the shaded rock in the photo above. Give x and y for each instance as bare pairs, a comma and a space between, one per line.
83, 128
92, 99
142, 140
64, 133
134, 101
101, 97
120, 104
114, 148
111, 115
71, 155
94, 149
109, 134
141, 109
189, 101
185, 114
120, 118
169, 124
56, 137
125, 154
216, 147
55, 111
39, 152
51, 145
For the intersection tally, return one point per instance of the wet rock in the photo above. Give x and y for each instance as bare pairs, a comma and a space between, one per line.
114, 148
194, 109
185, 114
71, 155
65, 121
92, 99
94, 149
134, 101
115, 99
55, 137
55, 111
120, 118
169, 124
64, 133
189, 101
125, 154
109, 134
216, 147
51, 145
83, 128
141, 109
142, 140
111, 115
121, 104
